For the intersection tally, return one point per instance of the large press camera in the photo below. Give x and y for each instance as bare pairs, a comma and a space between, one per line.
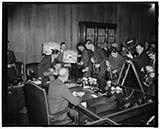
129, 47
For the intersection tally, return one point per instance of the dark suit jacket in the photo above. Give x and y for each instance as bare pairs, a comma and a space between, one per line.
86, 56
142, 60
116, 63
44, 64
11, 71
107, 52
99, 55
11, 57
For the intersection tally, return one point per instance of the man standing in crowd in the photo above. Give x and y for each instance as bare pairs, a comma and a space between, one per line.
11, 65
106, 49
46, 63
95, 62
151, 73
112, 67
141, 61
62, 49
116, 61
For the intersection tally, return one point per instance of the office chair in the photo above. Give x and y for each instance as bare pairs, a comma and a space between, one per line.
32, 70
38, 108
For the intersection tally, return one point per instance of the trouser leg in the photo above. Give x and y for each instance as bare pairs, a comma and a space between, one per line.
102, 80
73, 114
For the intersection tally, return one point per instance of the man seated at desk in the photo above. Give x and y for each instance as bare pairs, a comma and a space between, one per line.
94, 67
59, 96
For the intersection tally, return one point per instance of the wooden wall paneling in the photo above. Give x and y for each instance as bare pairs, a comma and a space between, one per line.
110, 13
94, 13
15, 34
39, 32
57, 23
62, 24
122, 20
75, 26
30, 33
41, 21
84, 12
68, 26
29, 25
118, 19
33, 33
10, 25
21, 47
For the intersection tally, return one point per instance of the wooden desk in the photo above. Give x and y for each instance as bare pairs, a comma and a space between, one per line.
119, 116
88, 96
88, 93
133, 114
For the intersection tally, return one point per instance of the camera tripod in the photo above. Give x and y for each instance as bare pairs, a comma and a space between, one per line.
125, 70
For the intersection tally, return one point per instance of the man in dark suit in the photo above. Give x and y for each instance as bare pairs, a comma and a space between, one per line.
47, 62
11, 65
62, 49
112, 66
106, 49
97, 57
141, 61
152, 56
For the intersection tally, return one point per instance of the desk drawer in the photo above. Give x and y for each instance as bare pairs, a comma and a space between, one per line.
101, 104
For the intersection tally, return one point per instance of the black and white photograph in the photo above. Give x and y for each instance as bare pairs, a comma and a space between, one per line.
79, 64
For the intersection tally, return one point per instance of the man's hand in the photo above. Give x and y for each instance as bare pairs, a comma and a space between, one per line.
80, 63
114, 71
79, 55
50, 72
9, 65
67, 65
50, 69
130, 55
85, 70
107, 63
108, 68
142, 69
97, 65
92, 60
79, 94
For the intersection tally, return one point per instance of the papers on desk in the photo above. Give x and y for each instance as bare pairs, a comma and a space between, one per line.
48, 82
84, 104
16, 86
80, 94
102, 94
94, 96
69, 85
86, 87
38, 82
